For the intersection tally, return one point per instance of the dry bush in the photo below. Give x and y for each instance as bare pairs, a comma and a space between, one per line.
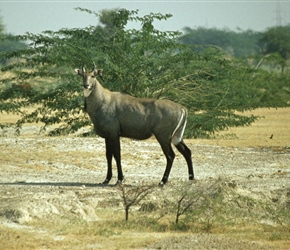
132, 196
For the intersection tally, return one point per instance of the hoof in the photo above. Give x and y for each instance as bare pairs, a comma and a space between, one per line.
106, 182
163, 181
119, 182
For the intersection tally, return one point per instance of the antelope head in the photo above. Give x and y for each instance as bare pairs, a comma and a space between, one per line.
89, 78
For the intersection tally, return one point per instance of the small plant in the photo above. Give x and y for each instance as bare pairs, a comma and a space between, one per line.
197, 200
133, 195
186, 202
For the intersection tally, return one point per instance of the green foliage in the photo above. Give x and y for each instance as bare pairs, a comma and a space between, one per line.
145, 63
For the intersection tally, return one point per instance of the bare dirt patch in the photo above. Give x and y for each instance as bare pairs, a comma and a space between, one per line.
50, 197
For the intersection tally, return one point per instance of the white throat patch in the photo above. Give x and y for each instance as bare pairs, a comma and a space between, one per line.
87, 92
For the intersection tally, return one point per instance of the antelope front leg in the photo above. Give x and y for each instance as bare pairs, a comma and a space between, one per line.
117, 155
109, 156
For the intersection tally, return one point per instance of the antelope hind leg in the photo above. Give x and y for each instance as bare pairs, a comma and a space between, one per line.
186, 152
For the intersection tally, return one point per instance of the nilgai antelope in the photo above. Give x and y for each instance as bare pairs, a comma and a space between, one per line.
116, 115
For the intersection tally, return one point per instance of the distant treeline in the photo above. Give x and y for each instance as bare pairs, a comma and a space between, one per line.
238, 44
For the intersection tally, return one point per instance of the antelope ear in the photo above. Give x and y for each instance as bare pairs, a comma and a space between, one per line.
98, 72
78, 72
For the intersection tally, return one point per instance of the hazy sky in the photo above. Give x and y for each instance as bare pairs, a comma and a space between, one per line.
36, 16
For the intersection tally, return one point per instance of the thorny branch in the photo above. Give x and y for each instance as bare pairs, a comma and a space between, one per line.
133, 196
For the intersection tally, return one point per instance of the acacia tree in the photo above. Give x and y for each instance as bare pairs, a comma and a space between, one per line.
144, 62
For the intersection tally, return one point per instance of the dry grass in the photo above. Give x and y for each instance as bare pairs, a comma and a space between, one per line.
12, 118
115, 233
70, 233
275, 122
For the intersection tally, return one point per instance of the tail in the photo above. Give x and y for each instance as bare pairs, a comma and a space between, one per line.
177, 135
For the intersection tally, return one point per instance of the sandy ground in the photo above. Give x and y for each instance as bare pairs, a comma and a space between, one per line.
43, 178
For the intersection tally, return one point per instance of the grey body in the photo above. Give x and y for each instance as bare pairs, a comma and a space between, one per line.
116, 115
